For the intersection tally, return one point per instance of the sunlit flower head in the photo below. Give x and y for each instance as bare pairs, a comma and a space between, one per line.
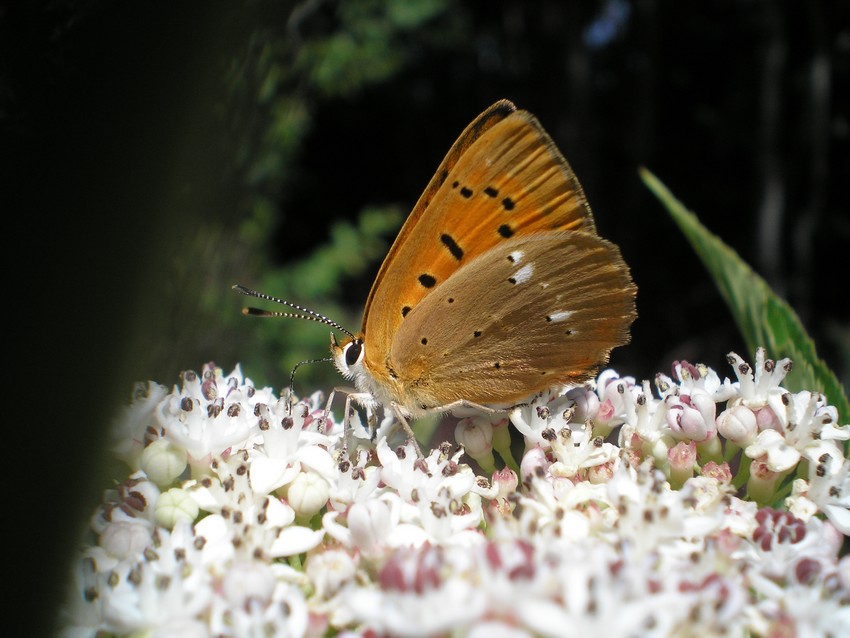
691, 506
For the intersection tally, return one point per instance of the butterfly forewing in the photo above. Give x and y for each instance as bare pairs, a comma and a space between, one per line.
502, 179
536, 311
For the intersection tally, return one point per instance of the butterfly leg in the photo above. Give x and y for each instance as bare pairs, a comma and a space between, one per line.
360, 398
368, 402
405, 425
327, 412
463, 403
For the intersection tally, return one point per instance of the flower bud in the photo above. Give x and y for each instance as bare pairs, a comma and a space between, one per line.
738, 424
174, 506
506, 480
476, 436
534, 463
682, 458
163, 462
586, 404
125, 539
307, 494
686, 423
766, 419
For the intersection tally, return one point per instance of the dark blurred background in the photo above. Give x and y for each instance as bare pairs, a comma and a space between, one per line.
155, 153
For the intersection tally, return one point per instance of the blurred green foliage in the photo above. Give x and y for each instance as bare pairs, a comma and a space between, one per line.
321, 52
371, 43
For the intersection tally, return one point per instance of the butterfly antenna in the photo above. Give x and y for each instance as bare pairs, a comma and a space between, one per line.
292, 376
303, 313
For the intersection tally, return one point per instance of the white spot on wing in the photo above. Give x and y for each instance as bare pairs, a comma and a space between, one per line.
523, 274
516, 256
560, 316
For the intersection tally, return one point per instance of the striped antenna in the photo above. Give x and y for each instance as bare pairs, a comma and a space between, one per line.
303, 313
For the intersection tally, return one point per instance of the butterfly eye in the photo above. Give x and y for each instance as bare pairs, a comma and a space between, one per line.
352, 352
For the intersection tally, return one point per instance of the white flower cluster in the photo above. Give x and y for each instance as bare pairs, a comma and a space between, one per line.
712, 508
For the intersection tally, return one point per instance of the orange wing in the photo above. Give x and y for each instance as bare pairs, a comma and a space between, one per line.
502, 178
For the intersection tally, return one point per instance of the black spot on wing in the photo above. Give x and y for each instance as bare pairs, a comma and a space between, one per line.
451, 244
466, 192
476, 334
427, 280
508, 204
405, 310
506, 231
491, 192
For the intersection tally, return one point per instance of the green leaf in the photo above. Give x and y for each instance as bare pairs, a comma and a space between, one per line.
763, 317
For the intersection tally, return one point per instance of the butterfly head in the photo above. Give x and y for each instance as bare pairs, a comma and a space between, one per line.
348, 356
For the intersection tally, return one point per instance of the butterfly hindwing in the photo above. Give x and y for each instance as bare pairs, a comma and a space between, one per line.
535, 311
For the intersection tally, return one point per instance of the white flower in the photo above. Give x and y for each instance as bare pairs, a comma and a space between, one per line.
829, 489
255, 524
618, 397
132, 500
287, 442
808, 432
284, 613
371, 525
781, 541
691, 416
800, 609
330, 571
434, 493
164, 588
137, 423
248, 581
760, 386
210, 414
646, 530
540, 418
421, 592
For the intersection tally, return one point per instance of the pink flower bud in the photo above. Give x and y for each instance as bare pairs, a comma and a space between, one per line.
534, 464
766, 419
507, 481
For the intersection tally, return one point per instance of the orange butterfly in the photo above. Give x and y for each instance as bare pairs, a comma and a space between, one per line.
497, 285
